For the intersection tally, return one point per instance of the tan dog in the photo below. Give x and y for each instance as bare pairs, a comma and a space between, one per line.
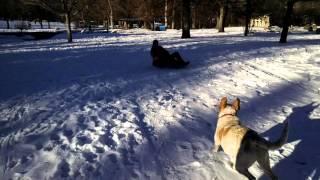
241, 144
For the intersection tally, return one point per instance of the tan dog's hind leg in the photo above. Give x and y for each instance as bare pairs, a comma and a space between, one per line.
263, 160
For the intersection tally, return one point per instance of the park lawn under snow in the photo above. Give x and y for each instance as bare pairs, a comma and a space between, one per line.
97, 109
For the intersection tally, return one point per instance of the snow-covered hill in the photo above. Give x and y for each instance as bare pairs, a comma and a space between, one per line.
97, 109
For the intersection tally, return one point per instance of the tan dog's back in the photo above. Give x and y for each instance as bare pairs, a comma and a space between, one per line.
243, 145
230, 135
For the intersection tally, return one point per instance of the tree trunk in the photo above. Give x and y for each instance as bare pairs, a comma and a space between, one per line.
8, 23
40, 22
145, 24
111, 14
107, 25
173, 14
166, 13
222, 17
286, 22
194, 14
68, 26
217, 23
186, 19
248, 17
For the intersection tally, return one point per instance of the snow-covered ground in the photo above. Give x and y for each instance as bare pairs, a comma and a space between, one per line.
97, 109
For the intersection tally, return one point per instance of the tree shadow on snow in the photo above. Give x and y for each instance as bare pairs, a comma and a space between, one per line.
41, 69
176, 145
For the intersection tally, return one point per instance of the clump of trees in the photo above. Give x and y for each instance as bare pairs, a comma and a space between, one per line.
175, 14
288, 17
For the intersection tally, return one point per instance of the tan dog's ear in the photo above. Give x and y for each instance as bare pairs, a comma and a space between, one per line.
223, 103
236, 104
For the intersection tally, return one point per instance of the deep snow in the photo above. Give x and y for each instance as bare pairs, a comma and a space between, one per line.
97, 109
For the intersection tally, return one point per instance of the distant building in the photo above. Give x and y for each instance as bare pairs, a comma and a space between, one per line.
262, 21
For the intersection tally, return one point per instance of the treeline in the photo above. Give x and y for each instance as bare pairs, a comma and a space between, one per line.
175, 14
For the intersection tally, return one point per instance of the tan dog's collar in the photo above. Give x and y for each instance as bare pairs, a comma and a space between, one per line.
226, 115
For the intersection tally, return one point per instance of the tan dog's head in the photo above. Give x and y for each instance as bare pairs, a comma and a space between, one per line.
230, 109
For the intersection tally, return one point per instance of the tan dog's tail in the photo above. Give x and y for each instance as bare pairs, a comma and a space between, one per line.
280, 142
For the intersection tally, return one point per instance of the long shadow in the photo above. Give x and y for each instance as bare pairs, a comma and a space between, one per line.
303, 162
59, 75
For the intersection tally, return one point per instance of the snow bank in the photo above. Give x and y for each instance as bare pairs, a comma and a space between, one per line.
33, 25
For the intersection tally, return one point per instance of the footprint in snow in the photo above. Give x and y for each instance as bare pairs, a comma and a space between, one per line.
68, 133
48, 148
83, 139
259, 93
167, 97
63, 169
26, 159
89, 169
38, 146
126, 157
12, 164
95, 120
113, 158
90, 157
99, 150
184, 146
55, 137
107, 140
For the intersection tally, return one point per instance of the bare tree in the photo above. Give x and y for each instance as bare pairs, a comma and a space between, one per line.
286, 21
186, 18
9, 10
223, 4
166, 13
64, 8
193, 15
248, 14
110, 14
173, 16
68, 8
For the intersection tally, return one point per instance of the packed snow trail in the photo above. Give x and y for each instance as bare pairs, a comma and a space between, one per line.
97, 109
